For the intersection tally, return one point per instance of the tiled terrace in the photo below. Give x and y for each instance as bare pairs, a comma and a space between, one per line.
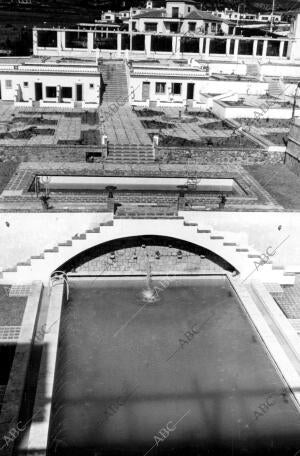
46, 126
289, 300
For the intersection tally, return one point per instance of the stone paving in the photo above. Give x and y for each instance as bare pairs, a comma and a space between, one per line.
133, 260
123, 127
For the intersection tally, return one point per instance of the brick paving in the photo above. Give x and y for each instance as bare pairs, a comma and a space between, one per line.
289, 300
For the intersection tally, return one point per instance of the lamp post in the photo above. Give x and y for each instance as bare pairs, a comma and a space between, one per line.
110, 197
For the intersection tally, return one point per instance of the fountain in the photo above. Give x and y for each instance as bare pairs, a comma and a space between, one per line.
149, 293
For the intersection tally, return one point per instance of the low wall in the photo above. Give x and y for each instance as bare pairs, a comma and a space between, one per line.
64, 153
219, 156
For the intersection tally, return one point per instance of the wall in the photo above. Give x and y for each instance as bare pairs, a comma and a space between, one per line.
259, 230
217, 155
201, 86
29, 234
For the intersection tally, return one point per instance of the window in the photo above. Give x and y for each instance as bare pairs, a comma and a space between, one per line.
189, 9
150, 26
176, 88
175, 13
192, 26
174, 27
160, 87
51, 92
213, 26
25, 84
66, 92
91, 86
8, 84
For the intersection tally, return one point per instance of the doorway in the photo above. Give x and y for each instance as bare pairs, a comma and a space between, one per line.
190, 91
78, 92
146, 91
38, 91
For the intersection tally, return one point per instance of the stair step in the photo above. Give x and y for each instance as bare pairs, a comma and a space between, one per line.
242, 250
229, 244
214, 237
199, 230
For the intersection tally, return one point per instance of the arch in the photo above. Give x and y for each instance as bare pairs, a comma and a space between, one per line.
138, 243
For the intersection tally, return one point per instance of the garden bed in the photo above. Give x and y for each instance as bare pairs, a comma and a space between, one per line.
148, 113
27, 133
35, 121
279, 139
151, 124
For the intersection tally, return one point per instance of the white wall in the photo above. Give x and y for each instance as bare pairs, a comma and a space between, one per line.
29, 234
201, 86
259, 230
67, 80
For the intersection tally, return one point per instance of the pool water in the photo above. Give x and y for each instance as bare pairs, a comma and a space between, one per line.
126, 370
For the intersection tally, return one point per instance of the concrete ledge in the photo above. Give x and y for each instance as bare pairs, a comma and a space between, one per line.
285, 366
15, 387
39, 430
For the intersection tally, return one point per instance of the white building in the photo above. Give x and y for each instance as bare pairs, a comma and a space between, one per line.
179, 17
52, 84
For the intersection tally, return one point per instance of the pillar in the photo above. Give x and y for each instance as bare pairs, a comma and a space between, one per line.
255, 42
236, 49
201, 41
176, 45
90, 41
148, 45
265, 46
119, 44
34, 41
281, 46
228, 46
207, 46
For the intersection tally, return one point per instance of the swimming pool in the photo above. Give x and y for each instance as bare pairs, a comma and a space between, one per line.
96, 183
191, 362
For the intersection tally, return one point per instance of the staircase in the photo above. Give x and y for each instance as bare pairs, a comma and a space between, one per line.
115, 82
130, 153
239, 256
253, 69
276, 88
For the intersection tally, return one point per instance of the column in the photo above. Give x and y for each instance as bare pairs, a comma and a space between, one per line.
201, 41
148, 45
34, 41
228, 46
90, 41
265, 46
281, 46
236, 49
119, 44
207, 46
255, 42
176, 45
